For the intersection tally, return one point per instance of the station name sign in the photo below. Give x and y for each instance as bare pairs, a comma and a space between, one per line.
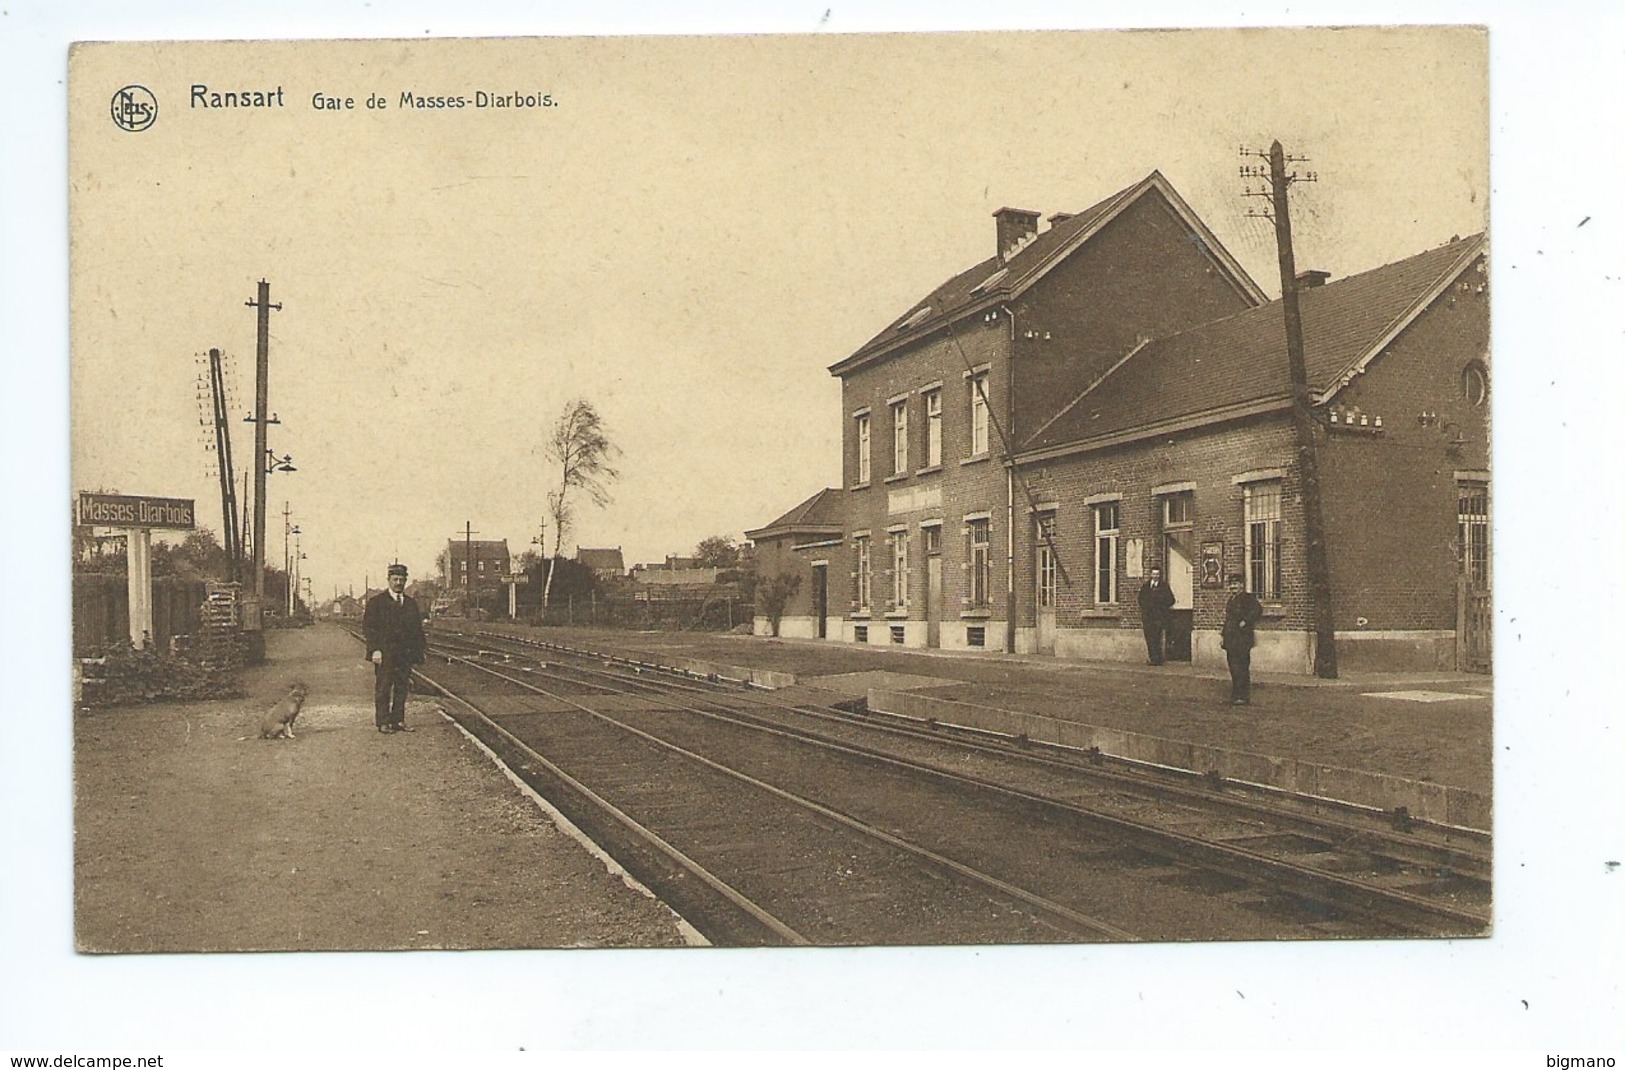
127, 511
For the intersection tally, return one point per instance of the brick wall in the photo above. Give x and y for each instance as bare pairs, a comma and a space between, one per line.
1140, 276
1390, 499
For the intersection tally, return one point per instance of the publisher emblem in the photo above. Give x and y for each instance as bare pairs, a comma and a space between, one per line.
134, 108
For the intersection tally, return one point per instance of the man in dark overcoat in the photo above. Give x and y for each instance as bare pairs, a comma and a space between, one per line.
1241, 616
392, 626
1156, 602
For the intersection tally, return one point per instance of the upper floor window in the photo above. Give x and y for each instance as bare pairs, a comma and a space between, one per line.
933, 428
899, 437
1261, 538
863, 447
978, 414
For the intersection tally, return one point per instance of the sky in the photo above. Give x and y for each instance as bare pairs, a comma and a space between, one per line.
688, 239
696, 286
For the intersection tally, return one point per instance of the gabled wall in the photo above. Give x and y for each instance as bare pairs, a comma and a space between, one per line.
1143, 275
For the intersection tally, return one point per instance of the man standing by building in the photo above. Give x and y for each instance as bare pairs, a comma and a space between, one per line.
1241, 615
393, 628
1156, 601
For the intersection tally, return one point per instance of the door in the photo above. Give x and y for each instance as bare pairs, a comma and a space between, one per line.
820, 599
933, 585
1179, 566
1044, 572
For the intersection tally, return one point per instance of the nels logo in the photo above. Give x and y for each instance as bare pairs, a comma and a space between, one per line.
134, 108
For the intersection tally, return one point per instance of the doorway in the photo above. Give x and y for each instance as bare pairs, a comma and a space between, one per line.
1179, 566
932, 537
1044, 573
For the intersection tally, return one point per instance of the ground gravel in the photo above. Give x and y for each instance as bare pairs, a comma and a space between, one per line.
192, 834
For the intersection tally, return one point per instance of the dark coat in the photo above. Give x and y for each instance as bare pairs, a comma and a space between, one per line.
397, 630
1241, 616
1155, 602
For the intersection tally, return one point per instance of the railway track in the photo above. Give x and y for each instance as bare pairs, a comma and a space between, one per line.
770, 822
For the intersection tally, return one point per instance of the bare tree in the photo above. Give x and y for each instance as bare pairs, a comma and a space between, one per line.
582, 453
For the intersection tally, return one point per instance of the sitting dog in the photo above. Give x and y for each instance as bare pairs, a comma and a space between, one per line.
278, 722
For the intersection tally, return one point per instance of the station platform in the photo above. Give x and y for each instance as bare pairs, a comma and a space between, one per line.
1418, 740
193, 834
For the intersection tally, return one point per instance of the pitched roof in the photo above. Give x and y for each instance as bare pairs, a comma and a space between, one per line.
601, 558
480, 547
994, 280
819, 515
1238, 365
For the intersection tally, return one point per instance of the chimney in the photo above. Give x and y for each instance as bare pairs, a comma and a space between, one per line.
1310, 279
1016, 227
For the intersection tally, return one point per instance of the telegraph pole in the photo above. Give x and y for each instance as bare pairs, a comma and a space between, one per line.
470, 598
1303, 417
252, 620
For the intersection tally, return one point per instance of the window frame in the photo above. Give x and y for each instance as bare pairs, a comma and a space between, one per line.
933, 428
1108, 548
1044, 568
1261, 560
900, 569
862, 573
865, 455
1473, 532
899, 437
980, 414
979, 562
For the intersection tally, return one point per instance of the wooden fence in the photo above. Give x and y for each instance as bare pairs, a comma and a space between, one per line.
101, 609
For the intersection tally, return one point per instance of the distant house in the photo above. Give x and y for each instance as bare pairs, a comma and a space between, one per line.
606, 562
477, 566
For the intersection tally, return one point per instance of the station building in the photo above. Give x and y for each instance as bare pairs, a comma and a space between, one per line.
1111, 394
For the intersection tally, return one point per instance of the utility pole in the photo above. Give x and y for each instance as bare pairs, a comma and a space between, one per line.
285, 559
470, 597
252, 609
228, 479
1303, 417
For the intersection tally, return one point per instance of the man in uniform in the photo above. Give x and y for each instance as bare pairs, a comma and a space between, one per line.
393, 628
1156, 600
1241, 615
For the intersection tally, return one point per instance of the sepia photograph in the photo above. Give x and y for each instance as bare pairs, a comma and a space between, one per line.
1053, 513
893, 507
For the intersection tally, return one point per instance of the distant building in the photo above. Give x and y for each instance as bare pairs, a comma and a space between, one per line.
476, 567
606, 562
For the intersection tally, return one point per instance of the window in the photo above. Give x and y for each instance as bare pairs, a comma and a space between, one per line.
860, 633
1045, 538
978, 414
933, 539
863, 447
899, 438
899, 569
1261, 538
860, 545
898, 634
1473, 532
976, 635
1179, 510
933, 428
980, 562
1106, 538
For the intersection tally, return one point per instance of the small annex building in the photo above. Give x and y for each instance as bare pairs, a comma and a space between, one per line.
800, 547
